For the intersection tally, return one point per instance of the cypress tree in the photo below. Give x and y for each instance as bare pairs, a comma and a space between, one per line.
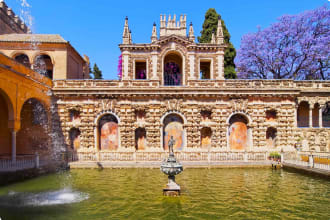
97, 72
210, 24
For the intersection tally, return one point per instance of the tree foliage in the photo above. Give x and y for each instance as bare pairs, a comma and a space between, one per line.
295, 47
210, 25
97, 72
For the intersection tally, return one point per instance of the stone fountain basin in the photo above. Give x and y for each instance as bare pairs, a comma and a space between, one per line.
171, 169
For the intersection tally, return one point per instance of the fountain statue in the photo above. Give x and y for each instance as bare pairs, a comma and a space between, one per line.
171, 168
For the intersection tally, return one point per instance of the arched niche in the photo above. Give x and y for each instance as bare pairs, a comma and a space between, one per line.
23, 59
206, 136
74, 136
271, 115
43, 65
140, 139
239, 134
108, 132
173, 126
271, 134
5, 135
173, 69
33, 136
303, 114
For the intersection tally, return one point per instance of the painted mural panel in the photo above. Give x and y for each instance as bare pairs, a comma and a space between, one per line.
206, 134
174, 129
109, 136
271, 137
238, 137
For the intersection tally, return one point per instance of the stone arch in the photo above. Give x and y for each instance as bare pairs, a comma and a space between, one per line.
6, 116
248, 118
303, 114
33, 136
74, 137
206, 137
239, 134
44, 64
22, 58
175, 50
271, 136
140, 138
108, 132
173, 125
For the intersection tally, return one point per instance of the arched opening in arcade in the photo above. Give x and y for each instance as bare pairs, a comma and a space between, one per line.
140, 139
239, 135
33, 136
206, 135
6, 112
74, 135
271, 135
173, 127
303, 114
315, 115
326, 116
23, 59
173, 73
43, 65
108, 132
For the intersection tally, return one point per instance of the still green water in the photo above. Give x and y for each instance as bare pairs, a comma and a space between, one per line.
232, 193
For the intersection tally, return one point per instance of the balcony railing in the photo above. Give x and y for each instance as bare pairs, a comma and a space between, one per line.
308, 159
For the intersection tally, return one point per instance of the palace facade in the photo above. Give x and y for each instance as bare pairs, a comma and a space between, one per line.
171, 86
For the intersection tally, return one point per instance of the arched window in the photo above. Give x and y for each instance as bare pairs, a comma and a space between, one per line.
206, 135
33, 135
315, 115
303, 114
108, 132
326, 116
173, 127
239, 136
74, 135
271, 134
23, 59
140, 139
173, 70
43, 65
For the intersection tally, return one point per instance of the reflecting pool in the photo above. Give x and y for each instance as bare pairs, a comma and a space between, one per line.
232, 193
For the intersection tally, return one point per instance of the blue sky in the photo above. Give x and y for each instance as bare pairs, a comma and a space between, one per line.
95, 27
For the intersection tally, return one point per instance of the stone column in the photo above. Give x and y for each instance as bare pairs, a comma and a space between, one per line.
311, 116
192, 66
13, 146
154, 66
320, 116
125, 65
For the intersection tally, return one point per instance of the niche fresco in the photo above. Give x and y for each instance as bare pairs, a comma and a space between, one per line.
270, 115
173, 126
303, 114
74, 116
108, 132
206, 135
238, 132
206, 116
140, 116
140, 139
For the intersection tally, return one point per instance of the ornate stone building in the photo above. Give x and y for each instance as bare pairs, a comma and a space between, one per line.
174, 86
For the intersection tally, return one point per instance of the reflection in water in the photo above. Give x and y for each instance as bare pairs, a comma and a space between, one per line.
250, 193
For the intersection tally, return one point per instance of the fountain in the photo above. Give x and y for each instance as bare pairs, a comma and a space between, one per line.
171, 168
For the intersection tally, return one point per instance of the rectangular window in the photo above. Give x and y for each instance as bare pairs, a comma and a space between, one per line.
140, 70
205, 69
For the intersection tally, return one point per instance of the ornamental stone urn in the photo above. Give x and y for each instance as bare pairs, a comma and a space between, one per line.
171, 168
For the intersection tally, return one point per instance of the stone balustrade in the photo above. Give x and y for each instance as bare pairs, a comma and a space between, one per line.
21, 163
223, 84
319, 160
185, 156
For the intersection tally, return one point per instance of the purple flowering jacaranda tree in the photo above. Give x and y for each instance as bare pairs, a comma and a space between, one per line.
296, 47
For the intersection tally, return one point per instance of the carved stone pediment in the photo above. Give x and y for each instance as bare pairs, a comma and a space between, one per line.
239, 104
174, 38
108, 104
